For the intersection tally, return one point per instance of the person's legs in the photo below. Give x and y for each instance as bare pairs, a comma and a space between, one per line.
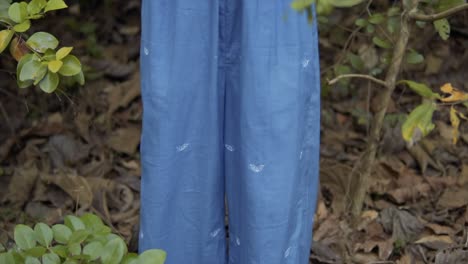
182, 187
272, 133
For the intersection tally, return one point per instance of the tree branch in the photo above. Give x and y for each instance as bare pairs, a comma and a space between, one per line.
428, 18
362, 76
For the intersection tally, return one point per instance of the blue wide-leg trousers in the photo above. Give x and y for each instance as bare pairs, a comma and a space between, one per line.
231, 108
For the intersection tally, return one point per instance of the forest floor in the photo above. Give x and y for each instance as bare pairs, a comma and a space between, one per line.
77, 150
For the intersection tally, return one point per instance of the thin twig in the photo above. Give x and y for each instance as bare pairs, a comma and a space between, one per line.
362, 76
428, 18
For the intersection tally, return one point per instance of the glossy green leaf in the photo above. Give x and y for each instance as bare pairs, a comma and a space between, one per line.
32, 70
71, 66
18, 12
152, 256
80, 79
360, 22
5, 37
93, 250
55, 5
36, 252
24, 59
74, 223
41, 41
63, 52
79, 236
421, 89
62, 233
36, 6
50, 82
113, 251
60, 250
24, 237
419, 122
22, 27
55, 65
44, 234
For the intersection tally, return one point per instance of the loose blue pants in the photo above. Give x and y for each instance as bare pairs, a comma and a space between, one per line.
231, 99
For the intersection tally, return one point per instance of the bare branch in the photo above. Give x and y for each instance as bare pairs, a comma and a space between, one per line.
362, 76
428, 18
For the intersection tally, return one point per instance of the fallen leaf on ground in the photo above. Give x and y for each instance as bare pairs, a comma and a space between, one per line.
435, 242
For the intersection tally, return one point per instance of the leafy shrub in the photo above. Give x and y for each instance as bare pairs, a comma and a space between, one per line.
84, 239
39, 61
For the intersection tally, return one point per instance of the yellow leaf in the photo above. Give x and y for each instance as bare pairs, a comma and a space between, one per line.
5, 38
455, 124
63, 52
455, 94
54, 66
418, 123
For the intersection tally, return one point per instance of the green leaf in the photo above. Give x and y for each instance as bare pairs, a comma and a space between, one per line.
36, 6
63, 52
414, 57
74, 223
381, 43
22, 27
24, 237
345, 3
44, 234
79, 236
300, 5
7, 258
75, 249
421, 89
113, 251
80, 79
62, 233
419, 122
5, 37
31, 260
93, 250
55, 5
36, 251
60, 250
41, 41
32, 70
394, 11
130, 258
393, 24
360, 22
355, 61
55, 65
71, 66
50, 82
153, 256
18, 12
51, 258
443, 28
49, 55
376, 19
443, 5
24, 59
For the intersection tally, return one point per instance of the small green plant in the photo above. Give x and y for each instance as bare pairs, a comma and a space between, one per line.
79, 240
39, 61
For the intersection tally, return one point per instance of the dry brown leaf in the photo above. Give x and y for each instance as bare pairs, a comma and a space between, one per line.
440, 230
125, 140
75, 186
403, 226
22, 184
453, 198
455, 256
435, 242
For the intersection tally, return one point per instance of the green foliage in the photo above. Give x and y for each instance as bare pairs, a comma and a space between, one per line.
84, 239
39, 61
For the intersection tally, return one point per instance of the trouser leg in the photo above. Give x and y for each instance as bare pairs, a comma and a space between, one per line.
182, 187
272, 134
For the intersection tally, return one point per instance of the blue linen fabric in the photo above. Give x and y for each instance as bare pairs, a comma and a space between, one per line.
231, 108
